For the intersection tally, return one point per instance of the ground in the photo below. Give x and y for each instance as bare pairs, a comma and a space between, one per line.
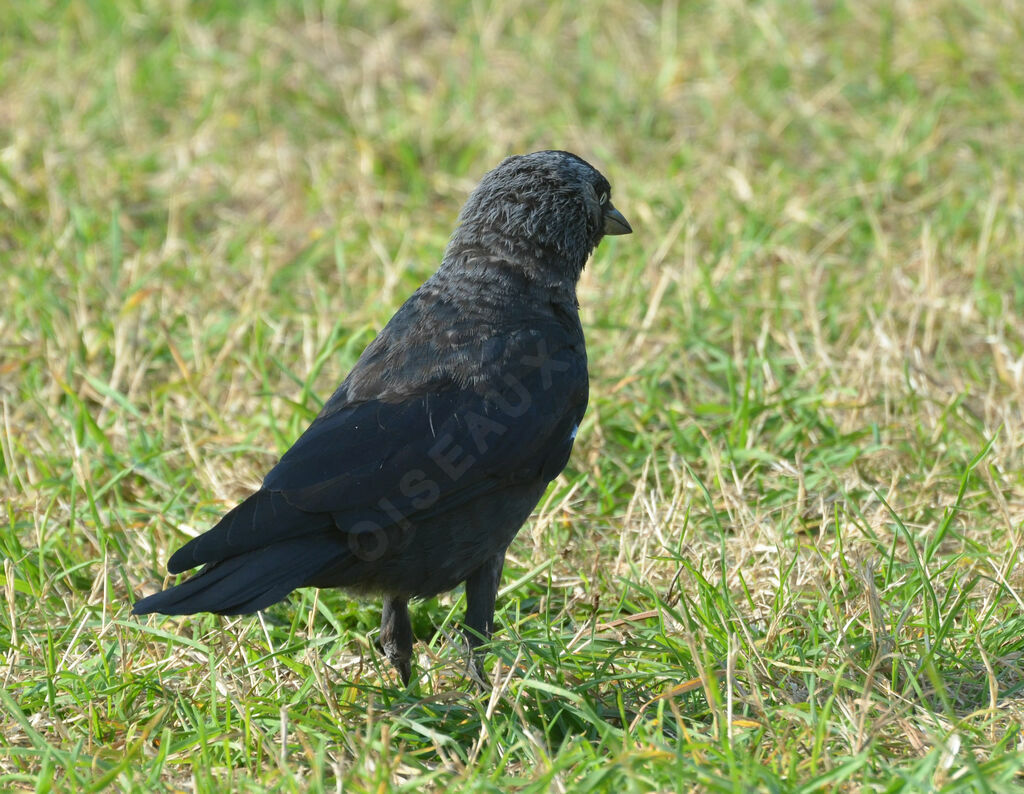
787, 551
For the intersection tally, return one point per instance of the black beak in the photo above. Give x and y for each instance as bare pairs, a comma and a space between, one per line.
615, 222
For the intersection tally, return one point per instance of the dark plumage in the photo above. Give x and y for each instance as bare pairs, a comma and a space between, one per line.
426, 461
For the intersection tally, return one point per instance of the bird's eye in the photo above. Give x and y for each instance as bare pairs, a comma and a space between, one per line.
603, 199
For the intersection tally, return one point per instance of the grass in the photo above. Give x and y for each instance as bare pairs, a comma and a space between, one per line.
787, 552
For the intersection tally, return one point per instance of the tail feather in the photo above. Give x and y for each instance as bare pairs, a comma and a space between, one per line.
245, 583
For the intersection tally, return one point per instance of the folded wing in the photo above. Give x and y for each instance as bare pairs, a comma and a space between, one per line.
375, 466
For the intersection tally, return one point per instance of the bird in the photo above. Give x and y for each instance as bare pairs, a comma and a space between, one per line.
433, 452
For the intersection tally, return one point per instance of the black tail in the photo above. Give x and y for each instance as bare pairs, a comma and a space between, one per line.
245, 583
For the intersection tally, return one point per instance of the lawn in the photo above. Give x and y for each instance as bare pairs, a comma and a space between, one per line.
788, 551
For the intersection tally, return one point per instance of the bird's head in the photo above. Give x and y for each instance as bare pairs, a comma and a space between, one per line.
546, 211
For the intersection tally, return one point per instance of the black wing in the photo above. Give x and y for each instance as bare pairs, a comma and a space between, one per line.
375, 465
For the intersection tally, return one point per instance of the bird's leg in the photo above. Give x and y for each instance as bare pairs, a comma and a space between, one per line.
396, 635
481, 591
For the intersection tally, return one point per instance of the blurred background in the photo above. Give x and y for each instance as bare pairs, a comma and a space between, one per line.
801, 466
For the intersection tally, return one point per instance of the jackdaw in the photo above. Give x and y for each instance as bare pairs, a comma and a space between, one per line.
435, 449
